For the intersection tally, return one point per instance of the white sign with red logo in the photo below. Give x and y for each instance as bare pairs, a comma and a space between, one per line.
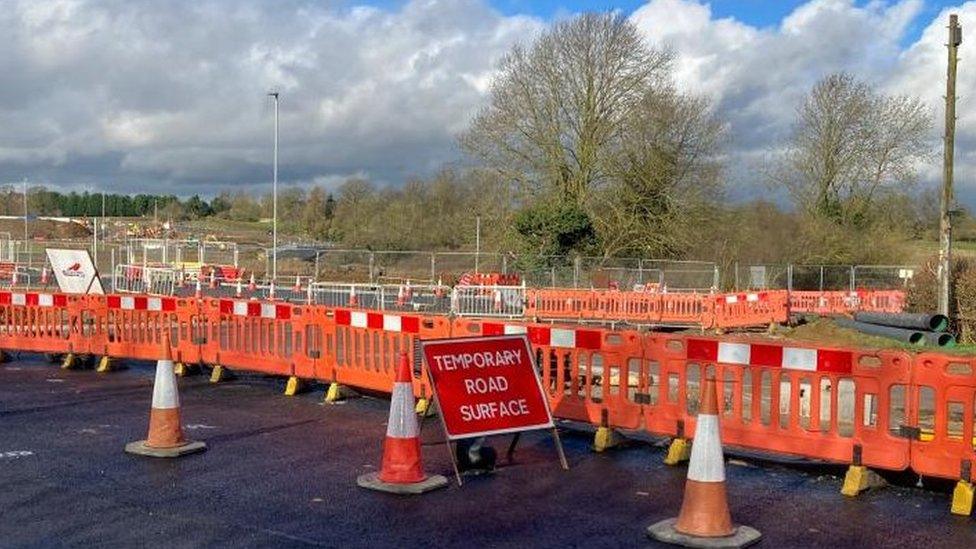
75, 271
486, 386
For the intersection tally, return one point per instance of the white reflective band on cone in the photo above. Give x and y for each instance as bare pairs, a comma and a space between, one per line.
164, 389
403, 420
706, 464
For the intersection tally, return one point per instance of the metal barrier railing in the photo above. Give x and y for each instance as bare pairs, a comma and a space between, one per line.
488, 301
145, 280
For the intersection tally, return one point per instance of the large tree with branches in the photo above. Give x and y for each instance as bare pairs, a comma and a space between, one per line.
852, 147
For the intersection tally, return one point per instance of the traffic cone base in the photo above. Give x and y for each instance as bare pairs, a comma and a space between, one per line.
373, 482
141, 449
665, 531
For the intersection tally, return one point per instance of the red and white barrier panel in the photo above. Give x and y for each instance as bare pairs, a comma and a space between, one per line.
140, 303
563, 338
33, 299
771, 356
378, 321
738, 298
255, 309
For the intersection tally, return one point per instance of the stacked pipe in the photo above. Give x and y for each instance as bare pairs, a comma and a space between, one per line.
912, 328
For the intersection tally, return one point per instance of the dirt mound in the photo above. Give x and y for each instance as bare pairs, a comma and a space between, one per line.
45, 229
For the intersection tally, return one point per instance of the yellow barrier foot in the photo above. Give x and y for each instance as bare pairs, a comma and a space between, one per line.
69, 361
679, 451
605, 439
104, 365
962, 498
423, 407
294, 386
219, 374
181, 369
859, 479
334, 393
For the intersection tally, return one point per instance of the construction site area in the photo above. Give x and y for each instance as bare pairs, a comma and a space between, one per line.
487, 273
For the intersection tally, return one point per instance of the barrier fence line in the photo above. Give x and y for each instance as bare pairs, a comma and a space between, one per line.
885, 409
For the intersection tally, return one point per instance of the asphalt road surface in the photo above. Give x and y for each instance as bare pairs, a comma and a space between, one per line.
282, 471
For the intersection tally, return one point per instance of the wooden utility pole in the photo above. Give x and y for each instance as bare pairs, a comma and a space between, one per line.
945, 223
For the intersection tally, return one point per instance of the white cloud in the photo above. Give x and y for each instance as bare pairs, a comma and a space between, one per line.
757, 76
139, 93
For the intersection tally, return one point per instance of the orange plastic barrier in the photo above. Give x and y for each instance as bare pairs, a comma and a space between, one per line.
224, 273
751, 309
253, 335
845, 302
39, 322
884, 409
133, 326
489, 279
362, 347
940, 413
683, 309
584, 371
814, 402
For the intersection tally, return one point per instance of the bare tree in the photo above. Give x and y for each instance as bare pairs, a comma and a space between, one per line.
665, 176
558, 107
850, 145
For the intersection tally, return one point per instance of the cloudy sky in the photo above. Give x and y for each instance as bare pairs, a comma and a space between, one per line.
141, 95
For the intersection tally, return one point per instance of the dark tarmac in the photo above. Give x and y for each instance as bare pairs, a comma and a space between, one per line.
282, 472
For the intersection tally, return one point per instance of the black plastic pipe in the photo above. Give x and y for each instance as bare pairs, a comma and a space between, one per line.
913, 337
913, 321
940, 339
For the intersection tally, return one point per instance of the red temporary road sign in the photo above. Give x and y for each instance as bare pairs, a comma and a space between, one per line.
486, 385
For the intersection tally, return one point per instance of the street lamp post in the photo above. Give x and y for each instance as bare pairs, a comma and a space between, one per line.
274, 197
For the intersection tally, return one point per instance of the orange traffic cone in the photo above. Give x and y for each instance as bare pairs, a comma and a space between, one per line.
402, 471
439, 290
198, 293
498, 301
704, 520
401, 296
44, 276
239, 290
251, 286
182, 277
213, 278
165, 428
271, 289
298, 285
353, 300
